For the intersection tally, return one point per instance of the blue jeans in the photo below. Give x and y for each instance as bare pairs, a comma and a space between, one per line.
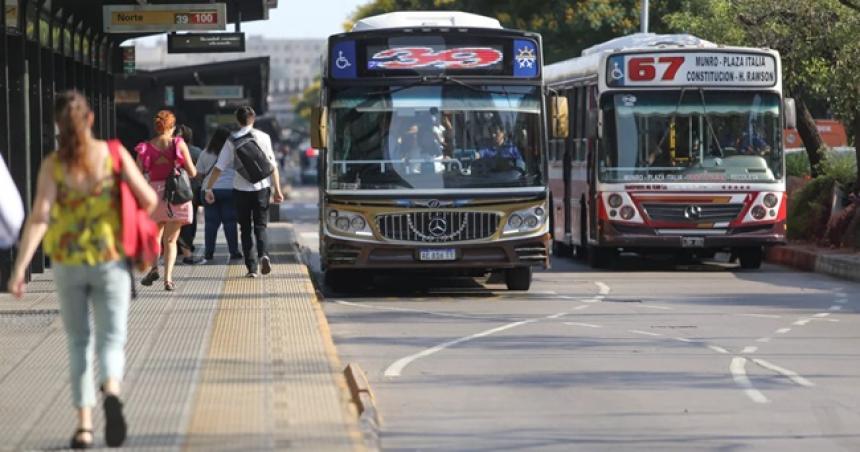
222, 211
107, 288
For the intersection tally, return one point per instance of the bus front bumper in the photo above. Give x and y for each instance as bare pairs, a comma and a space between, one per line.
348, 254
631, 237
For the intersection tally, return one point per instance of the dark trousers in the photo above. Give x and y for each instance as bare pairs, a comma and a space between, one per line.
222, 211
252, 208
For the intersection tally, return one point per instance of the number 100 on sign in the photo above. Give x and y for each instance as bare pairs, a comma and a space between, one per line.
203, 18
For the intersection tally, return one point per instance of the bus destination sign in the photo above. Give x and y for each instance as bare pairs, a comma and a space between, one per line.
164, 18
691, 69
205, 42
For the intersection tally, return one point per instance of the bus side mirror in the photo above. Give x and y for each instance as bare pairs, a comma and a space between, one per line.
560, 117
594, 124
319, 127
790, 113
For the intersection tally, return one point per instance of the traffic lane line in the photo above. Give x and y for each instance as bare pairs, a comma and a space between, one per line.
792, 375
739, 375
396, 368
416, 311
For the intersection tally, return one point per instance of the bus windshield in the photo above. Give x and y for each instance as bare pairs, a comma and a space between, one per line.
691, 135
434, 137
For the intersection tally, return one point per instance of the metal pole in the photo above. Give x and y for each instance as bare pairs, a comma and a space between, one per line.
644, 19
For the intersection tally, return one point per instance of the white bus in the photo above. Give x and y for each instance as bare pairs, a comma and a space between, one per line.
672, 144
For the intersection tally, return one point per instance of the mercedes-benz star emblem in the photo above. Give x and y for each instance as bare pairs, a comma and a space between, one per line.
692, 212
438, 227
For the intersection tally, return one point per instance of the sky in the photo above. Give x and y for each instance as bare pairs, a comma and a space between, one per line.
298, 19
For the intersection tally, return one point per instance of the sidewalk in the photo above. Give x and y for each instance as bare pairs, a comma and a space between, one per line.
223, 363
839, 263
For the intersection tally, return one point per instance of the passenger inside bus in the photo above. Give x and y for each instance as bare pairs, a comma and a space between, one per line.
418, 148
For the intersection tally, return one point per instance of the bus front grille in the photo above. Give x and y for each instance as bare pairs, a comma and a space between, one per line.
438, 226
692, 213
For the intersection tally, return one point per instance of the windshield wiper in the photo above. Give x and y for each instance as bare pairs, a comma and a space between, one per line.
708, 121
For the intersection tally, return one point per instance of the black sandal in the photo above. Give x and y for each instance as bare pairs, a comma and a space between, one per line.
150, 277
76, 443
115, 426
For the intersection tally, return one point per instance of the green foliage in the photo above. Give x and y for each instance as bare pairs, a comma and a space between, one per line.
809, 209
797, 164
310, 98
841, 167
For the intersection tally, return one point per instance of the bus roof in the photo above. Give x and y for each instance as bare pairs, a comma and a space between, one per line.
414, 19
591, 60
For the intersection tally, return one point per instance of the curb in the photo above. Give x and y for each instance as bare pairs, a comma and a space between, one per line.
844, 266
362, 396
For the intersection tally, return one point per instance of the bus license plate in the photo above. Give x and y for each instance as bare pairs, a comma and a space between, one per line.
444, 254
693, 242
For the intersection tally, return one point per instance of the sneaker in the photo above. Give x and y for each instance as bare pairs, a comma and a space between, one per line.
209, 257
193, 260
150, 277
236, 256
265, 265
251, 275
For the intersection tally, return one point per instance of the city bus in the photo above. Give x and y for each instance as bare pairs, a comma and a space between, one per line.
669, 144
432, 159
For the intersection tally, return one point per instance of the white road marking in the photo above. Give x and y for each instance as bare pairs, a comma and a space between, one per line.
417, 311
396, 369
739, 374
682, 339
821, 315
309, 205
588, 325
841, 301
718, 349
602, 288
763, 339
750, 349
783, 330
792, 375
762, 316
835, 308
802, 322
579, 308
649, 306
310, 235
592, 300
646, 333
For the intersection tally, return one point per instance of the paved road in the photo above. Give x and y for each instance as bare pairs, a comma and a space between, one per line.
649, 357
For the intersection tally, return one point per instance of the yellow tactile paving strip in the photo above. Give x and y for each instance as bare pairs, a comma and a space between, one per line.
268, 380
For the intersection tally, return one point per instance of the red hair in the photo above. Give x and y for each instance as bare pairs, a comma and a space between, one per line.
71, 112
164, 121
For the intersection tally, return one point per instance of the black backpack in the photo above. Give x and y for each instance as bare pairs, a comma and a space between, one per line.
251, 162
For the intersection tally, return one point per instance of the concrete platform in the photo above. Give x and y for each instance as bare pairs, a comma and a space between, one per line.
223, 363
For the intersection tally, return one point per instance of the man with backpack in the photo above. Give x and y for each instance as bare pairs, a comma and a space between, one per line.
249, 151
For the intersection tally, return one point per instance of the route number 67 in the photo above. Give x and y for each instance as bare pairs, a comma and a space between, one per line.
644, 69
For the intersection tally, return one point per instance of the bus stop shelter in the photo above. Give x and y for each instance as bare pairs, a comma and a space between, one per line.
49, 46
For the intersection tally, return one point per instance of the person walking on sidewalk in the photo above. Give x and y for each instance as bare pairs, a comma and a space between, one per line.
252, 199
77, 211
223, 209
159, 158
189, 231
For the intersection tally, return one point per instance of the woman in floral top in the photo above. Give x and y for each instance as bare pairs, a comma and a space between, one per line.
76, 210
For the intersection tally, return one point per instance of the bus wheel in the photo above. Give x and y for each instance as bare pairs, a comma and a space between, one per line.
340, 280
601, 257
518, 278
750, 258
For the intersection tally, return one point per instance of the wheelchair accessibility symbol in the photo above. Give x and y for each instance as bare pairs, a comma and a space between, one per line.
616, 73
342, 62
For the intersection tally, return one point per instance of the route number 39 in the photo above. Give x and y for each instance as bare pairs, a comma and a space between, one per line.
644, 69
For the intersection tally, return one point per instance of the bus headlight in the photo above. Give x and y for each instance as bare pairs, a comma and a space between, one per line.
349, 223
759, 212
515, 221
615, 200
770, 200
526, 220
627, 212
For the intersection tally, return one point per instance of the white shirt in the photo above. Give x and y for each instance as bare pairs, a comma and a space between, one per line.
225, 159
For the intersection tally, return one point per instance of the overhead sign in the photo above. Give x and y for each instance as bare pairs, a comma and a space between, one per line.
692, 69
164, 18
213, 92
205, 42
